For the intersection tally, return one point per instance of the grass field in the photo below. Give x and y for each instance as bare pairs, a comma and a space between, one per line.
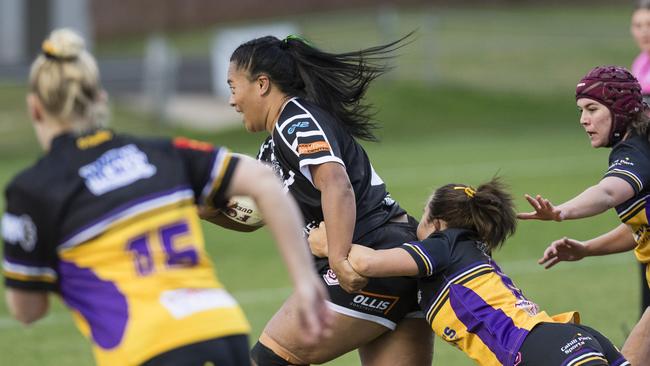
501, 103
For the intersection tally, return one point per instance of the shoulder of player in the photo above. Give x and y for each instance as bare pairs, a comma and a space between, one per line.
302, 116
35, 181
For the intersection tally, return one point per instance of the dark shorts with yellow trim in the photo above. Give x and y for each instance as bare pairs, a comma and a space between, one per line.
559, 344
384, 301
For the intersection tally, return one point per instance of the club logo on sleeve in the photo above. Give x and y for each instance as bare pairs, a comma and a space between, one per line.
116, 168
19, 230
313, 147
296, 125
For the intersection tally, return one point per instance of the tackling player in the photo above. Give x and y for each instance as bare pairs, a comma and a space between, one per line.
109, 222
468, 300
613, 115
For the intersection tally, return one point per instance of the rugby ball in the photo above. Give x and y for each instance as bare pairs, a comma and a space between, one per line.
242, 210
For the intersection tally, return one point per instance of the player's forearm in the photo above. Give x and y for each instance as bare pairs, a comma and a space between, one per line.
339, 212
618, 240
593, 201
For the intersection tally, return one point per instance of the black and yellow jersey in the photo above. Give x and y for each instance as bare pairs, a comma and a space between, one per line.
110, 223
469, 301
630, 161
304, 136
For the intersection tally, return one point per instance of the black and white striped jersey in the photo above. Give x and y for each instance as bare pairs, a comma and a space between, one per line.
304, 136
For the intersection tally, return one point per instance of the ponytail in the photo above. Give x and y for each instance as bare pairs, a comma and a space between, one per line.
488, 210
335, 82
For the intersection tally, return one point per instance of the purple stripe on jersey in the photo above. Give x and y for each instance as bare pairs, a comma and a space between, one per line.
508, 282
492, 326
125, 207
571, 357
98, 301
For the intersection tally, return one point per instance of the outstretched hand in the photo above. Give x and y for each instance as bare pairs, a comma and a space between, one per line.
544, 210
561, 250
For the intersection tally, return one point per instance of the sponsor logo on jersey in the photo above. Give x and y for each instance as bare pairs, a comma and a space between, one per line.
621, 162
19, 230
575, 344
116, 168
313, 147
296, 125
330, 278
184, 302
374, 303
528, 306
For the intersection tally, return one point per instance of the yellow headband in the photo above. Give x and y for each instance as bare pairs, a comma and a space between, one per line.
469, 191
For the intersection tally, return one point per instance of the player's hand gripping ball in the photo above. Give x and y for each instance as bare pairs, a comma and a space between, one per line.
243, 210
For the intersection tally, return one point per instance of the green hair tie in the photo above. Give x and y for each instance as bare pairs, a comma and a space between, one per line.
295, 37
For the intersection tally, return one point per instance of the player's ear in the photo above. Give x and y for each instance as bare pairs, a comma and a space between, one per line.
34, 107
263, 84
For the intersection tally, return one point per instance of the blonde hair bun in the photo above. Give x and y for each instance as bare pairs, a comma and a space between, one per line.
64, 43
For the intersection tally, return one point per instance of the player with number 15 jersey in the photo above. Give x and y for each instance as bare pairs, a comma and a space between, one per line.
109, 222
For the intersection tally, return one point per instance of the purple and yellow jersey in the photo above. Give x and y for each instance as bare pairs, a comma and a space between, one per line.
469, 301
630, 161
110, 223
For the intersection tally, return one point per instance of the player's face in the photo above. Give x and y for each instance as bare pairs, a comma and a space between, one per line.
640, 29
425, 228
246, 98
596, 119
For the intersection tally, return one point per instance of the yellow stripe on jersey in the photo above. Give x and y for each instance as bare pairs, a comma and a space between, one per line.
632, 210
461, 278
595, 358
425, 259
24, 277
635, 179
216, 184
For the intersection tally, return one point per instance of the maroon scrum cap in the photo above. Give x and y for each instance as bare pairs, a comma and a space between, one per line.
619, 91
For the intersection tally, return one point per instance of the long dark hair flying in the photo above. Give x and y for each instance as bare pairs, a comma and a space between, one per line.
336, 82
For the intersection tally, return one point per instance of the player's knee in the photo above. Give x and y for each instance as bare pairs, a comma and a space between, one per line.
264, 356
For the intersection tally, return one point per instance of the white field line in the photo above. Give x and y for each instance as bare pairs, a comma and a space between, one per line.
269, 295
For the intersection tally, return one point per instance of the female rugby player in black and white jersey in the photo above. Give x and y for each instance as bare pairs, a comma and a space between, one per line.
310, 102
613, 115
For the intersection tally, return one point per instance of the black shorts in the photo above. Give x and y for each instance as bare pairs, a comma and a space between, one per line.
551, 344
224, 351
384, 301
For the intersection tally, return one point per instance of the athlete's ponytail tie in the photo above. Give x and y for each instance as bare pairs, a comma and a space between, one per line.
293, 37
51, 52
469, 191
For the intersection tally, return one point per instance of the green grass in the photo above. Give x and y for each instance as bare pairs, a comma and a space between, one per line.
501, 102
430, 138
